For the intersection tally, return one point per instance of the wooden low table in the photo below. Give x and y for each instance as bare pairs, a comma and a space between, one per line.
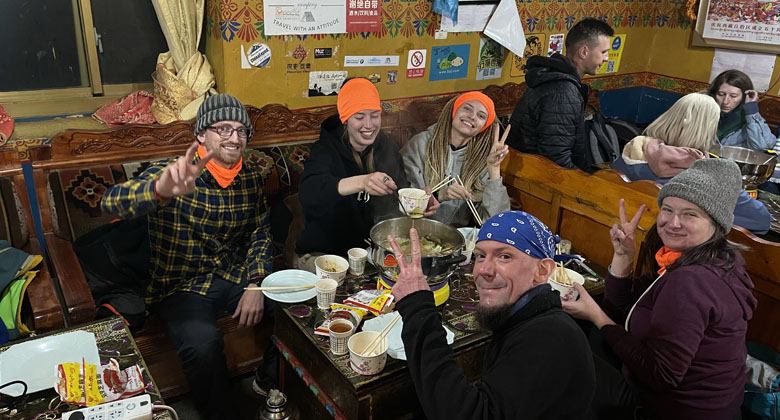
114, 341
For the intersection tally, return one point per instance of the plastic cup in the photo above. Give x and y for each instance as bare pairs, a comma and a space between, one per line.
326, 292
339, 331
357, 260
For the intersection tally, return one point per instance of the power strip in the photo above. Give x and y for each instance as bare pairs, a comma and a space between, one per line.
135, 408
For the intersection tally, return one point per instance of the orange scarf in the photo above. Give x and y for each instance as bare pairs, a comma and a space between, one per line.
224, 176
666, 257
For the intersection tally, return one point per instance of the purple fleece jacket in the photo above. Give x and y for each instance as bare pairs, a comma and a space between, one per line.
685, 351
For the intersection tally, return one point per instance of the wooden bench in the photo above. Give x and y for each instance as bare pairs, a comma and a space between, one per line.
41, 309
582, 208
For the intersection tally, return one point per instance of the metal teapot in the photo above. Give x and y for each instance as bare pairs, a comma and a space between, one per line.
277, 408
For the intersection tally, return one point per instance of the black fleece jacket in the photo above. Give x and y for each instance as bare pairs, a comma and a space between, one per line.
537, 366
336, 223
549, 118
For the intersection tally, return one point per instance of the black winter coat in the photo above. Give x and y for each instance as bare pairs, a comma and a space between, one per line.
549, 119
336, 223
538, 364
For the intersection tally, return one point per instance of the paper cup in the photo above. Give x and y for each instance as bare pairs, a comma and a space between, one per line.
326, 292
413, 201
339, 332
367, 364
567, 292
357, 260
468, 246
331, 267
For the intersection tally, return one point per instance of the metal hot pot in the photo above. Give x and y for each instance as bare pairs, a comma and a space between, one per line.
435, 268
756, 165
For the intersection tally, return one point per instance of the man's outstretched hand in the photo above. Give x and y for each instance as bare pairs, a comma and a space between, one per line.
410, 278
179, 177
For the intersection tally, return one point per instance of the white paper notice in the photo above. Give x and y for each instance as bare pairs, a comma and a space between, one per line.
471, 18
300, 17
370, 60
756, 65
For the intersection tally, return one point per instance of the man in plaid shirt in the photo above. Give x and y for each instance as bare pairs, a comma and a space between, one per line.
209, 237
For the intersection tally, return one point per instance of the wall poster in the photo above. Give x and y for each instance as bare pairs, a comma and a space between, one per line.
301, 17
739, 24
449, 62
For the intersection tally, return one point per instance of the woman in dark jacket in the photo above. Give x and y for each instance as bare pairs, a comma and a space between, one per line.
681, 340
350, 178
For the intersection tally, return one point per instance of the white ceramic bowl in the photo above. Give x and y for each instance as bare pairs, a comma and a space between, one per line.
413, 200
325, 263
367, 364
567, 292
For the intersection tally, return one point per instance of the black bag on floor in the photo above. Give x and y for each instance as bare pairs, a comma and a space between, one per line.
115, 259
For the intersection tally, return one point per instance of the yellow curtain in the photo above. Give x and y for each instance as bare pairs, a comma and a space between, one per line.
183, 78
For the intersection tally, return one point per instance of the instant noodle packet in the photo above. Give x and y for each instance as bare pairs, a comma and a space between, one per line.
89, 385
375, 301
341, 311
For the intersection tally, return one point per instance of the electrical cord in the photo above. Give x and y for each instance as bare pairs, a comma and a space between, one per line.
24, 384
169, 408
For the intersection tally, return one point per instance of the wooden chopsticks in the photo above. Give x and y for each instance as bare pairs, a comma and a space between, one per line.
382, 334
470, 203
442, 184
280, 287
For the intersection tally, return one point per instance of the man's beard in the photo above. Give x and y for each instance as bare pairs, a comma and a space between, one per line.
492, 317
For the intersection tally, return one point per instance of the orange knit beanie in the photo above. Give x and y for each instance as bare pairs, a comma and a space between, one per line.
477, 96
355, 96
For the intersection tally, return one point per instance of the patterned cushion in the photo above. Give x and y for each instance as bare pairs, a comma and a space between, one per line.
77, 192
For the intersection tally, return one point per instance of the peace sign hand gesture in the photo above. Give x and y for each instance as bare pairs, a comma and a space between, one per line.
499, 148
410, 278
623, 234
179, 177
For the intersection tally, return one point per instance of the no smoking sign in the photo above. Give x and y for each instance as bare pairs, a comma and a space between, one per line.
415, 66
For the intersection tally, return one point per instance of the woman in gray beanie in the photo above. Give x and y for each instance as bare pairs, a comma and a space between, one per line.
678, 329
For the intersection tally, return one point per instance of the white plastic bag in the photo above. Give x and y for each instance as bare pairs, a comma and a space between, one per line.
506, 28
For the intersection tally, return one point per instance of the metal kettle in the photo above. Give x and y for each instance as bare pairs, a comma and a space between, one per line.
277, 408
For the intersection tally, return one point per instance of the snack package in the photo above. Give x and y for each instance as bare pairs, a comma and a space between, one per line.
341, 311
89, 385
375, 301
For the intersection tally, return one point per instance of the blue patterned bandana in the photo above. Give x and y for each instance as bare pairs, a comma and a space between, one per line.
524, 232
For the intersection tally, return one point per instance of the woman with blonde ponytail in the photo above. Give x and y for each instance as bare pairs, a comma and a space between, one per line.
670, 144
464, 142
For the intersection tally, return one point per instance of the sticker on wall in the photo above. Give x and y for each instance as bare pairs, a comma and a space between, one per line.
374, 78
259, 55
326, 83
303, 17
615, 52
323, 52
491, 58
449, 62
555, 45
370, 60
415, 64
293, 68
392, 77
244, 61
534, 44
364, 15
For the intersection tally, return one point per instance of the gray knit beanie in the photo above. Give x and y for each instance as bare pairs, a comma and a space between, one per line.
712, 184
221, 107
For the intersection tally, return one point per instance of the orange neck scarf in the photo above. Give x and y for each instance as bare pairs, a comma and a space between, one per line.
666, 257
224, 176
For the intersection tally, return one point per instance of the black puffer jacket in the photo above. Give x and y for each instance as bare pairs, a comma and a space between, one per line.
549, 118
336, 223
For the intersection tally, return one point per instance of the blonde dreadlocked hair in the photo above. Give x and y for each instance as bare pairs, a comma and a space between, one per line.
437, 153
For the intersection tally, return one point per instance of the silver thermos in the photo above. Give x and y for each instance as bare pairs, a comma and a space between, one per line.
277, 408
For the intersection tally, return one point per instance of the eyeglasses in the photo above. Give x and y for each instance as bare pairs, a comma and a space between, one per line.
225, 132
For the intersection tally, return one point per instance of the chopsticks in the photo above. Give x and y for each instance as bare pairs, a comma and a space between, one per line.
442, 184
279, 287
470, 203
382, 334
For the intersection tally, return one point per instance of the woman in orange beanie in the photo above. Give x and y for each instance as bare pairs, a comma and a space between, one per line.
465, 142
350, 177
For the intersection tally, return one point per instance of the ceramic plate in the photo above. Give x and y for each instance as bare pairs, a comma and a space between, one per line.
290, 278
396, 346
35, 361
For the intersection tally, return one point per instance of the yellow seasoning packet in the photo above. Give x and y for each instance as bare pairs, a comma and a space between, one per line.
375, 301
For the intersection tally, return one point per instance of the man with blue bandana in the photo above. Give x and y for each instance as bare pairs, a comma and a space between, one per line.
538, 364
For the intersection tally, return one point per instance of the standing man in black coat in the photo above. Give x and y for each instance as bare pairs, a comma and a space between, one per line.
549, 119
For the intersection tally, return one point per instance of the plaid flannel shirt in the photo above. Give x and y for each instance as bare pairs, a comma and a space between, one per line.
212, 233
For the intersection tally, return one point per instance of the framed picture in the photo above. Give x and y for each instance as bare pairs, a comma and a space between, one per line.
747, 25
